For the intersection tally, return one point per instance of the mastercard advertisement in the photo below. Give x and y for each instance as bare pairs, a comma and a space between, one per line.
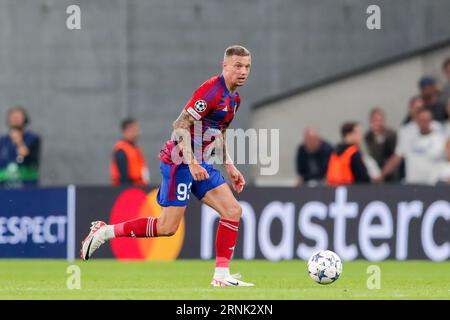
115, 205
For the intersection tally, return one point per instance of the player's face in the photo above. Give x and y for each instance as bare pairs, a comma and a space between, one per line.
237, 69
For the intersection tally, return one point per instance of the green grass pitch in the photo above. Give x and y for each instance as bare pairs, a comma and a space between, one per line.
184, 279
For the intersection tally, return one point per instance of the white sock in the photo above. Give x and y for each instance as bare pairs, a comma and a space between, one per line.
109, 232
221, 273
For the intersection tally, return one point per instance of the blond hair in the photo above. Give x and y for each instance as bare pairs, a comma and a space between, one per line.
236, 50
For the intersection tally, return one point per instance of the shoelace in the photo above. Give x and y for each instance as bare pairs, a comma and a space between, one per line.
97, 244
94, 225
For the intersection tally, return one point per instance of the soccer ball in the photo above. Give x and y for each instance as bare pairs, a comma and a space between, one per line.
324, 267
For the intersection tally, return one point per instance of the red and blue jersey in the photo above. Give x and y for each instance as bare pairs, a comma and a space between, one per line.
215, 107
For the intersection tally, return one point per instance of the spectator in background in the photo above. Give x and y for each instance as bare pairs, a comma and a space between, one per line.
346, 165
312, 157
410, 129
380, 140
431, 97
447, 124
414, 106
128, 165
19, 152
446, 90
444, 172
424, 153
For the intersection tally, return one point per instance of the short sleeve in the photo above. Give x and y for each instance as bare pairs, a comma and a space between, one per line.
200, 103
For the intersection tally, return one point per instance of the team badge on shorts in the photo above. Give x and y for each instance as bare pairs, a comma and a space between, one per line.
200, 105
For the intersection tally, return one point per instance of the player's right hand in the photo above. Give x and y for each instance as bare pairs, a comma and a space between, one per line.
198, 172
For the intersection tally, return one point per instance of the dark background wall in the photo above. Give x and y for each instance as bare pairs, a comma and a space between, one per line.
144, 58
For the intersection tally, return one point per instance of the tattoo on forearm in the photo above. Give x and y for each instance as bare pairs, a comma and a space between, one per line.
182, 135
184, 121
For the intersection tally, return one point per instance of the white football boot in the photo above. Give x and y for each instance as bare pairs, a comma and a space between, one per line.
97, 237
230, 281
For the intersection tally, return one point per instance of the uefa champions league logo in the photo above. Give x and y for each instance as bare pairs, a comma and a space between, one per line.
200, 105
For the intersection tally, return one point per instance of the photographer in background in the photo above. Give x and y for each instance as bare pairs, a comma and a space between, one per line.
19, 152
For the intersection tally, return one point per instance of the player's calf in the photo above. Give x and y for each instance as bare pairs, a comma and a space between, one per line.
169, 220
167, 230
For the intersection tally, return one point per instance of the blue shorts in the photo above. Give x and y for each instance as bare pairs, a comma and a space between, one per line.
177, 184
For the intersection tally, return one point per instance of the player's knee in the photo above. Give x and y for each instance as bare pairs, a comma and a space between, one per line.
234, 212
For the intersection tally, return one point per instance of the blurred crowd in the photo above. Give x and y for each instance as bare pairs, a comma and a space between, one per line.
417, 152
20, 151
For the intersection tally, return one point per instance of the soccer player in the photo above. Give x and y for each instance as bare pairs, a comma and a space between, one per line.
201, 126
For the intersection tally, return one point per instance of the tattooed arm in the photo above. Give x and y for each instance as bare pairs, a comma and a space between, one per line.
182, 135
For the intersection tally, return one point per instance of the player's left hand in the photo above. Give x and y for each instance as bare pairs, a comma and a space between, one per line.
236, 178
